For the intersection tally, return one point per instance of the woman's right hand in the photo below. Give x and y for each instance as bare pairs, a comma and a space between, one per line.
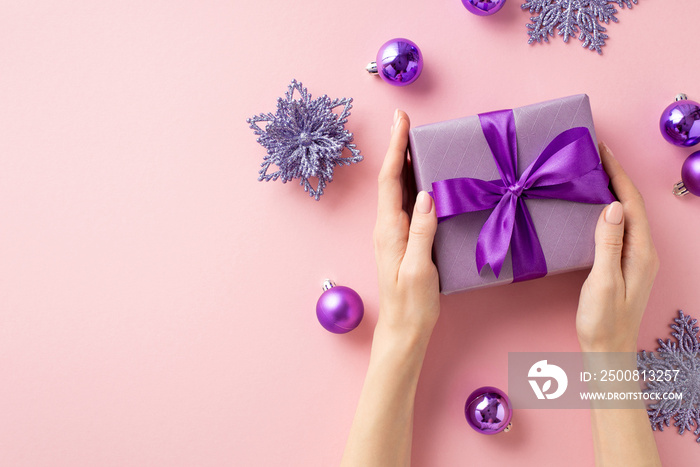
610, 309
615, 294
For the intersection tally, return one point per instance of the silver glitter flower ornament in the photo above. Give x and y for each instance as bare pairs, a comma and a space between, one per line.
572, 18
305, 139
682, 360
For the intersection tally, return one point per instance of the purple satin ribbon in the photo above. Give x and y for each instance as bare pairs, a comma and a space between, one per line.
569, 168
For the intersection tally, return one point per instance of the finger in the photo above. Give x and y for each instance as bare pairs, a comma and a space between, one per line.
636, 222
408, 183
390, 245
609, 234
421, 233
627, 193
390, 192
639, 259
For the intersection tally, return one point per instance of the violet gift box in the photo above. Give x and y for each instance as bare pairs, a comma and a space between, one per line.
458, 148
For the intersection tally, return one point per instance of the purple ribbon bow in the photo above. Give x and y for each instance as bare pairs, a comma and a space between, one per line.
569, 168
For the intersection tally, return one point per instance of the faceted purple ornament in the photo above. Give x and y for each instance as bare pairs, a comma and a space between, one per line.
680, 122
339, 309
488, 410
690, 176
483, 7
399, 62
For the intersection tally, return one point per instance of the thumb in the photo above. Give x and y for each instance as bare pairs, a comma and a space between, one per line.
422, 230
609, 234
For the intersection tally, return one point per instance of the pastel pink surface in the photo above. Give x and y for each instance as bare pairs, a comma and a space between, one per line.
157, 302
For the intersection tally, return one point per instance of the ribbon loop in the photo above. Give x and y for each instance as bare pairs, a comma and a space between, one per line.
569, 168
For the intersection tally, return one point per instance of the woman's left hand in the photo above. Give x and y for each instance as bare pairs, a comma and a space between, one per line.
409, 305
408, 279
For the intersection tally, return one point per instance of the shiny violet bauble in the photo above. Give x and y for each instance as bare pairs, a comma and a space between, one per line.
399, 62
483, 7
690, 176
488, 410
339, 309
680, 122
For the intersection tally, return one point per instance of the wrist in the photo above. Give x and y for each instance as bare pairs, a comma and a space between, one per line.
397, 356
616, 374
608, 341
615, 347
402, 338
400, 344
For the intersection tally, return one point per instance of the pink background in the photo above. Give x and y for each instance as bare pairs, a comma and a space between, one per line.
157, 302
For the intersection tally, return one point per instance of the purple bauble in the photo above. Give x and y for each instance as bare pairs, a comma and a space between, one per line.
488, 410
680, 122
399, 62
339, 309
690, 173
483, 7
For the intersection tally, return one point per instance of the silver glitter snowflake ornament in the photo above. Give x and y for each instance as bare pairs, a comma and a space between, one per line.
683, 356
305, 139
572, 18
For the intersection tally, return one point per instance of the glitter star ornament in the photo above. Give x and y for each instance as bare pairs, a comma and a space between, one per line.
571, 17
305, 139
682, 355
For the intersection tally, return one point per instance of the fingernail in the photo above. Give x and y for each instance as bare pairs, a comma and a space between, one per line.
396, 115
605, 146
613, 215
424, 203
396, 124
